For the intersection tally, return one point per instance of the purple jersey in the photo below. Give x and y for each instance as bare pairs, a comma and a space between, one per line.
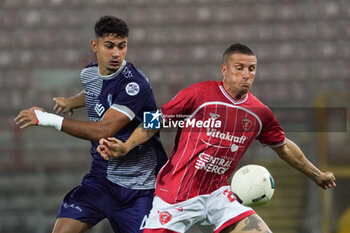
129, 92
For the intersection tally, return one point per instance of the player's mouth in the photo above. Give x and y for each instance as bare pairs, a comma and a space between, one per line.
246, 85
114, 63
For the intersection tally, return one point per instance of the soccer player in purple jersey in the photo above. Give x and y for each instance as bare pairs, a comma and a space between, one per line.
115, 94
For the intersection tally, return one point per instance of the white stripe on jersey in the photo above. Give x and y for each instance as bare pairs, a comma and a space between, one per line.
230, 98
195, 149
125, 110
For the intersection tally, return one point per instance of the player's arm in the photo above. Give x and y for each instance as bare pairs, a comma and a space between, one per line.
111, 122
112, 147
68, 105
293, 155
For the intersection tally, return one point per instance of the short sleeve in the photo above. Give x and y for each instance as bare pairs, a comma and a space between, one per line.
132, 97
272, 133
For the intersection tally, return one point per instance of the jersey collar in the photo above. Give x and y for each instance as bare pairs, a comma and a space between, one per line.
110, 76
227, 95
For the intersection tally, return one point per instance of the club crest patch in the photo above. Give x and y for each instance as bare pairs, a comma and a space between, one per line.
132, 88
246, 124
164, 217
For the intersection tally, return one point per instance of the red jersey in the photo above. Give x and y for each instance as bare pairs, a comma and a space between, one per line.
215, 132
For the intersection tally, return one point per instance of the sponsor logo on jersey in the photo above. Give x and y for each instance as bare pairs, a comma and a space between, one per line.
90, 93
226, 136
132, 88
164, 217
94, 119
212, 164
127, 73
99, 109
66, 205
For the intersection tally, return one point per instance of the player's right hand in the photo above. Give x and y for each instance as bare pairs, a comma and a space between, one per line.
111, 147
326, 180
27, 117
62, 106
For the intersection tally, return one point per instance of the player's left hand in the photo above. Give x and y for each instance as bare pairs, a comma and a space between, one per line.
111, 147
62, 105
326, 180
27, 117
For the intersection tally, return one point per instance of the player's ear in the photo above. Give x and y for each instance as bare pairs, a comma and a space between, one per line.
93, 44
223, 68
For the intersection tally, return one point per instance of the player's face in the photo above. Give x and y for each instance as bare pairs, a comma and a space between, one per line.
239, 73
110, 52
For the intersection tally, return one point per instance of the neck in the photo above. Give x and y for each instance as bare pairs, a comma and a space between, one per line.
234, 93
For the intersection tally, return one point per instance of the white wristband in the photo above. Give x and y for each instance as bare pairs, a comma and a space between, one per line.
49, 119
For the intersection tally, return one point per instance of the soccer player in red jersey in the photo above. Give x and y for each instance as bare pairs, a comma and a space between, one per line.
217, 120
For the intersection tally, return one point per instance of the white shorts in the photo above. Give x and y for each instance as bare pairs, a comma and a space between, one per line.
211, 213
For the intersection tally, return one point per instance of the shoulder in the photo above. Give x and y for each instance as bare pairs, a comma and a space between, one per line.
133, 73
259, 107
92, 64
130, 74
134, 81
255, 101
89, 72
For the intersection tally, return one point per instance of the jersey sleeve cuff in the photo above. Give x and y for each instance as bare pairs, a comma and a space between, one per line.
278, 144
125, 110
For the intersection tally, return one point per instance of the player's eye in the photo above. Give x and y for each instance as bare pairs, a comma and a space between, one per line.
122, 45
109, 46
252, 68
239, 67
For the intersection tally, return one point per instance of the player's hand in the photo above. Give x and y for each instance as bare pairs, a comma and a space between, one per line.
326, 180
27, 117
111, 147
62, 105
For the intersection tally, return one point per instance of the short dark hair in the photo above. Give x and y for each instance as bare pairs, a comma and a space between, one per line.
237, 48
110, 25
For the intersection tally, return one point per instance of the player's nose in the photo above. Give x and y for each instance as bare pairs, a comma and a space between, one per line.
116, 53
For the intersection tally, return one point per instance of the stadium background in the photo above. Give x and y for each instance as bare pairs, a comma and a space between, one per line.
303, 55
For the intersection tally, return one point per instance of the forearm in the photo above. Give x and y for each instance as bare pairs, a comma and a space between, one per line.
92, 131
77, 101
293, 155
139, 136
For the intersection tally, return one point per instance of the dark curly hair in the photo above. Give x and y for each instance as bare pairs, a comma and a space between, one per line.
110, 25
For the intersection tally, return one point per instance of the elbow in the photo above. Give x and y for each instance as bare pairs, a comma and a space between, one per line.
104, 133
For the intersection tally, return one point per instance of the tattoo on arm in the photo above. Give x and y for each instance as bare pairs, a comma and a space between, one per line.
133, 143
251, 223
150, 132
